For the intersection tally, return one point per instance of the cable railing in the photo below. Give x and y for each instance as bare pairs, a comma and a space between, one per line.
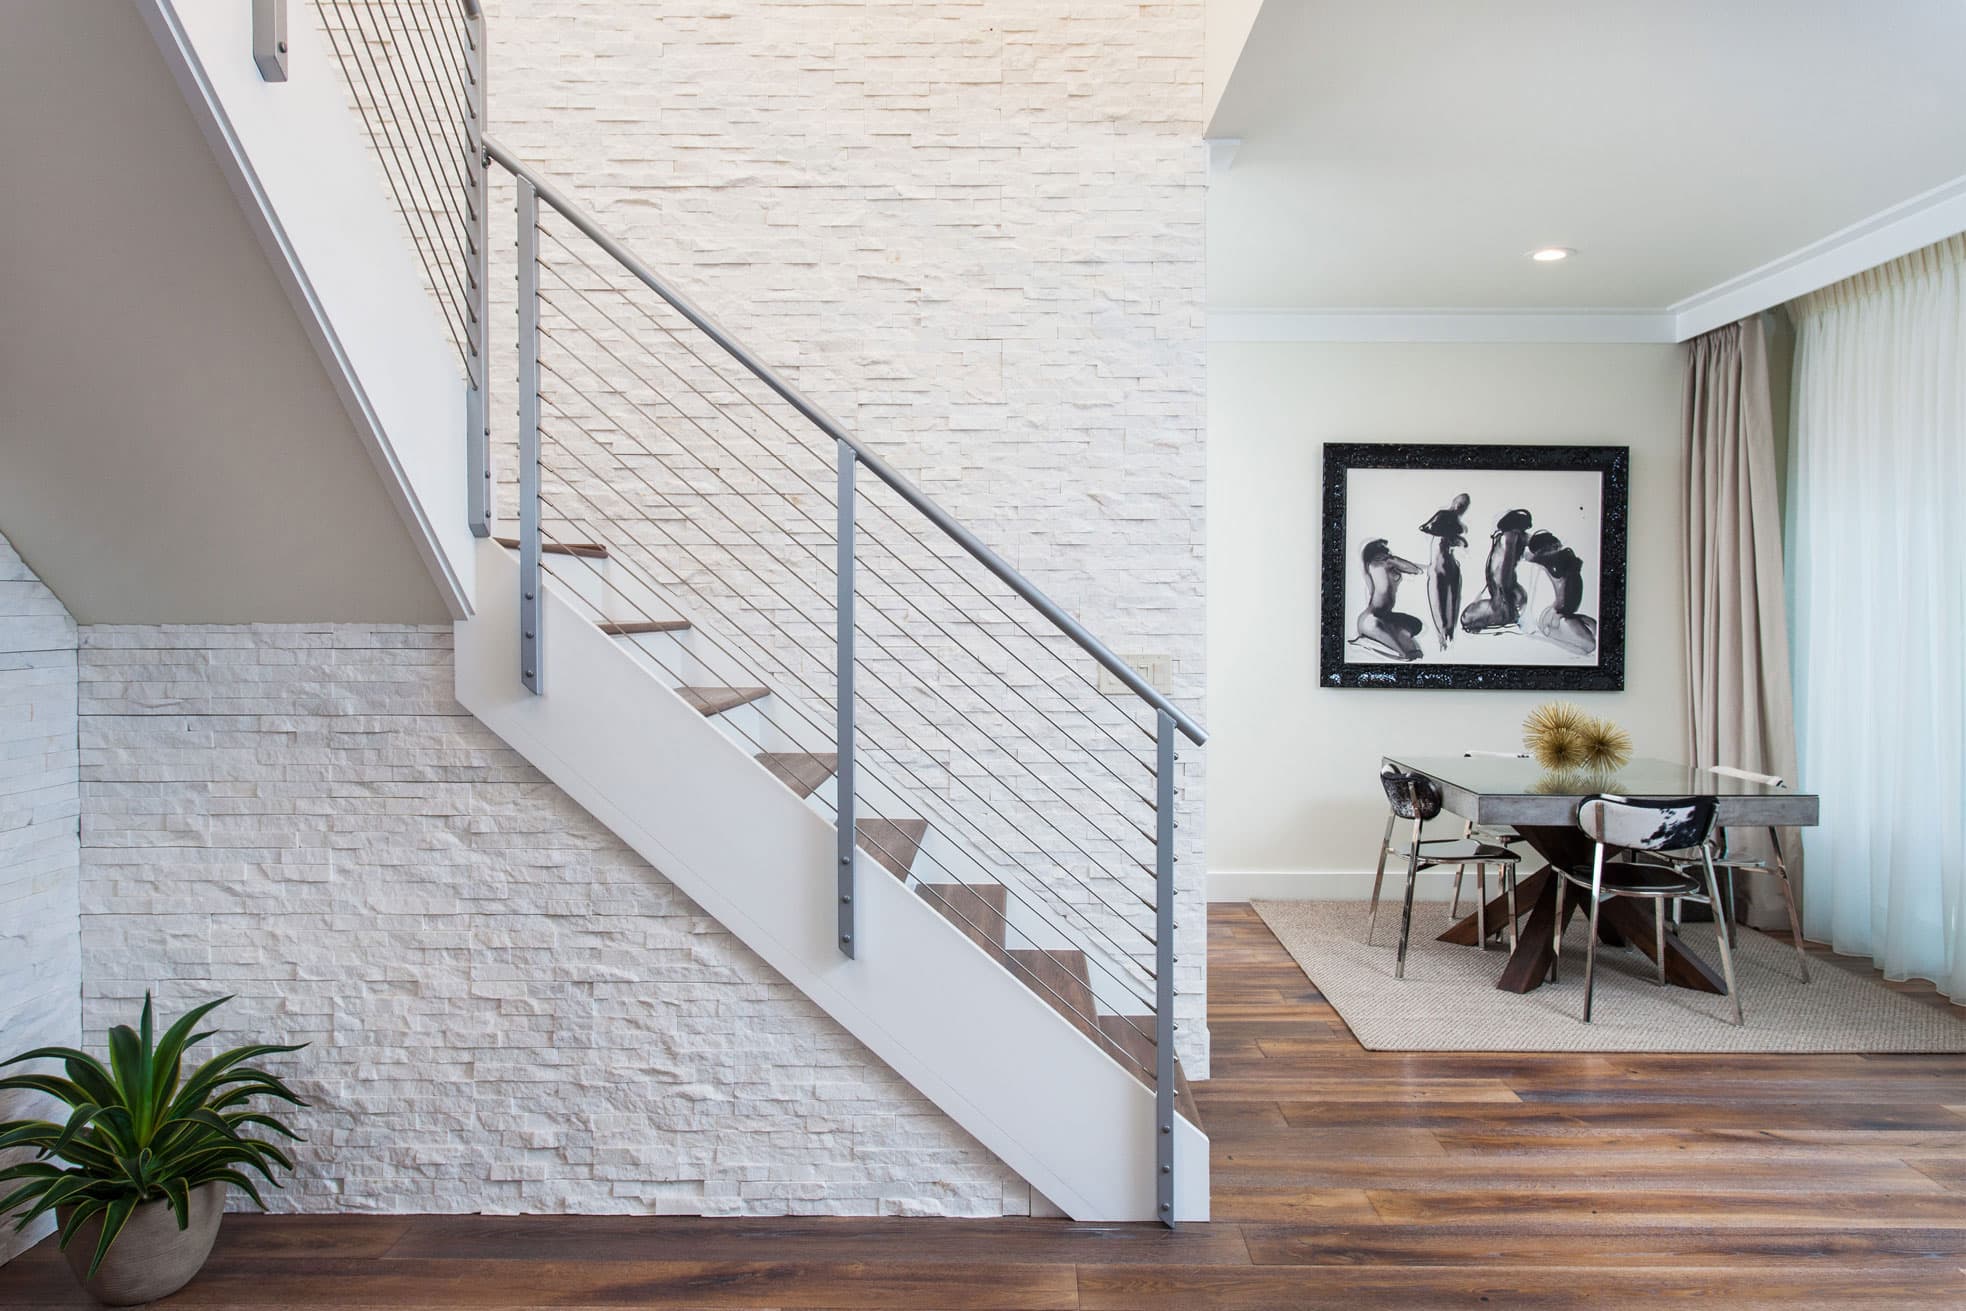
415, 74
660, 472
796, 594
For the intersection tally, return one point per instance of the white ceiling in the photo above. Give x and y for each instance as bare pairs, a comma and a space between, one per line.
1406, 154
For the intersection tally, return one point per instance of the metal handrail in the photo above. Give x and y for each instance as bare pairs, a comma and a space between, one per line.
782, 458
908, 492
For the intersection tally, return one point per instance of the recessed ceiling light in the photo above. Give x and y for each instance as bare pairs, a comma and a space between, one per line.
1551, 254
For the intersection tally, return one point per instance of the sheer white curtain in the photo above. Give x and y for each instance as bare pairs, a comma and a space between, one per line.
1877, 553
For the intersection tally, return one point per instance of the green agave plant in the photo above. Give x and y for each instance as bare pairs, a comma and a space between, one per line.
137, 1131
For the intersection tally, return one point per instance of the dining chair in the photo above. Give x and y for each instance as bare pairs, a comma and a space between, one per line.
1496, 835
1417, 798
1725, 862
1615, 824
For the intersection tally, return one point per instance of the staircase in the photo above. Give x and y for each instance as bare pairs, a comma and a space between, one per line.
822, 707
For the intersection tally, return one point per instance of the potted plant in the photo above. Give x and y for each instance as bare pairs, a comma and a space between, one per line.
148, 1153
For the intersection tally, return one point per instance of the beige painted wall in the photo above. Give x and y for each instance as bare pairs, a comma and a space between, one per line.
171, 448
1291, 764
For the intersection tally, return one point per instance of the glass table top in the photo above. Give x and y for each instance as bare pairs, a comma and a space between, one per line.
1641, 777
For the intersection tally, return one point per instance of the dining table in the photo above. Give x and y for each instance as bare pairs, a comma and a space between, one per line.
1496, 791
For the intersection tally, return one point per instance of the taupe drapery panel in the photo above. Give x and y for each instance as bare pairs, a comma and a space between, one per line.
1737, 653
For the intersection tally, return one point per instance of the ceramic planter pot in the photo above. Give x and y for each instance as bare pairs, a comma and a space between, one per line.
152, 1257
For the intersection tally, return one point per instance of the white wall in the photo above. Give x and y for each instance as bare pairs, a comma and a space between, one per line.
40, 944
1295, 802
509, 1010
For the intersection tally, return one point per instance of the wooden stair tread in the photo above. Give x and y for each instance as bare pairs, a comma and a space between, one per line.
1061, 978
976, 909
631, 627
893, 842
805, 772
716, 700
585, 550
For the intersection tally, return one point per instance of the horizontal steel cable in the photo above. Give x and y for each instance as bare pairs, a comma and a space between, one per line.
975, 831
430, 172
902, 597
874, 538
1038, 848
860, 837
444, 283
906, 529
819, 559
601, 410
457, 80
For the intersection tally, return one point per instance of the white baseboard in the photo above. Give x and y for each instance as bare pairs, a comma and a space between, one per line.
1330, 885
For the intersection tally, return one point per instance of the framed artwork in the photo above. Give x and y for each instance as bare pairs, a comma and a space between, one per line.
1474, 566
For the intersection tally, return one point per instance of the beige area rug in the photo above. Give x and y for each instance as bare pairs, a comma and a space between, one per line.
1448, 1000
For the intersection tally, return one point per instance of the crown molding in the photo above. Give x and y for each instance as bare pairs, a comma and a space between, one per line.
1600, 327
1885, 235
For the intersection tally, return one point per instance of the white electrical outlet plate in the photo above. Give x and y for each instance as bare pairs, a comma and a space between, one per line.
1158, 670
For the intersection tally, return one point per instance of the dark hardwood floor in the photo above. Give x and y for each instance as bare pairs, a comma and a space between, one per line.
1343, 1178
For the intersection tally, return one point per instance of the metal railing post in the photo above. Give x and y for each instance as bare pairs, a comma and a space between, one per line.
1164, 969
530, 607
477, 407
843, 732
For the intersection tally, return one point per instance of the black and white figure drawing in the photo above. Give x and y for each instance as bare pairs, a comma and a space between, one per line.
1443, 569
1381, 627
1523, 574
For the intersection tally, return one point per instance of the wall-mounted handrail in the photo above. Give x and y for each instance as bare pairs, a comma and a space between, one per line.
903, 488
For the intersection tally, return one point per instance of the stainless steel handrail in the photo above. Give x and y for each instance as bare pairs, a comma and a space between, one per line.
908, 492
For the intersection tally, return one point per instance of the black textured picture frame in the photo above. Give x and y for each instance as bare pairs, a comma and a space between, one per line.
1612, 463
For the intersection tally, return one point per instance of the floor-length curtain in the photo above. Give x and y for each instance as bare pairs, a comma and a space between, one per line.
1737, 657
1877, 545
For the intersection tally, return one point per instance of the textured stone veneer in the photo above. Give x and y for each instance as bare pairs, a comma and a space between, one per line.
40, 943
972, 230
508, 1009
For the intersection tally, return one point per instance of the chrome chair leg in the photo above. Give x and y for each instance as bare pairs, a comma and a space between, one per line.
1726, 948
1590, 955
1556, 932
1788, 895
1733, 904
1454, 907
1385, 847
1406, 915
1659, 937
1508, 886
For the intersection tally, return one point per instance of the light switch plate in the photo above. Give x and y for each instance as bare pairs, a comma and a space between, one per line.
1158, 670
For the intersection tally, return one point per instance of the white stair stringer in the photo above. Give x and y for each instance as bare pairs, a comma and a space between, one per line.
601, 589
971, 1037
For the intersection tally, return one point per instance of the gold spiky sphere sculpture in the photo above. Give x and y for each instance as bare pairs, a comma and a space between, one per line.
1607, 748
1562, 737
1554, 734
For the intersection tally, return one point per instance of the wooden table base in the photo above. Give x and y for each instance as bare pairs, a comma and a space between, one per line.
1621, 921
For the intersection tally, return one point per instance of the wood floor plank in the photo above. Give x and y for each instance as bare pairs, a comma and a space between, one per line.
1518, 1285
1946, 1171
1509, 1243
1342, 1178
1719, 1207
828, 1238
509, 1285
